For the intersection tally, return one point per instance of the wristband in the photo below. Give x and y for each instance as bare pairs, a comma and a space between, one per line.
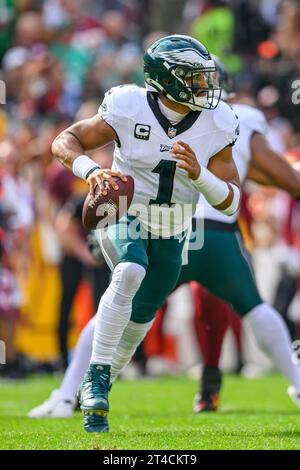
83, 166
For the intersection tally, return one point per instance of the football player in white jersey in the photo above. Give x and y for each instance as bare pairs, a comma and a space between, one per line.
224, 252
169, 174
224, 267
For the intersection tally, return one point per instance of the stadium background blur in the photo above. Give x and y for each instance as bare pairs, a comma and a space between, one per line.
57, 59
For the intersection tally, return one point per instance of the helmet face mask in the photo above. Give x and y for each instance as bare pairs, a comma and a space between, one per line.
201, 87
181, 68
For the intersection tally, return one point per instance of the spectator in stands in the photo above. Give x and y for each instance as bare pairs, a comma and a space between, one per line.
16, 219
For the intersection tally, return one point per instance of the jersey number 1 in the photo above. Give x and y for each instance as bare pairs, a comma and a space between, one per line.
166, 170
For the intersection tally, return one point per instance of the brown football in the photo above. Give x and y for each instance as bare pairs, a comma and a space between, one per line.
107, 209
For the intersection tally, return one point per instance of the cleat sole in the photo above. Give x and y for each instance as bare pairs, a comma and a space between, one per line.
95, 421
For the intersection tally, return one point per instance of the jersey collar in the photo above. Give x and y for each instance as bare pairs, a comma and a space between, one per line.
170, 129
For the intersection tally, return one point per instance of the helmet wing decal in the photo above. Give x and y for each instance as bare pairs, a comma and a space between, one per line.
186, 57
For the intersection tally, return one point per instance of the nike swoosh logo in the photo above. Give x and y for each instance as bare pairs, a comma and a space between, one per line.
180, 239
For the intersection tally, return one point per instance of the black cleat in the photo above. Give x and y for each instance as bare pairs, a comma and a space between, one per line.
209, 397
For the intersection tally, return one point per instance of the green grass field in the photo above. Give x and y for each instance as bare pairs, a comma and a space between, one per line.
156, 414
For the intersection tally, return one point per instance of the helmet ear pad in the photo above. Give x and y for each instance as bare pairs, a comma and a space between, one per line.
174, 84
167, 82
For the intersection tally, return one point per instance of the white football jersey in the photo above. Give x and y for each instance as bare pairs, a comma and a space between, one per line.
164, 197
251, 120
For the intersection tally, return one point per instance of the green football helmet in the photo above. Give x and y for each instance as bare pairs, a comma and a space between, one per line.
173, 60
222, 78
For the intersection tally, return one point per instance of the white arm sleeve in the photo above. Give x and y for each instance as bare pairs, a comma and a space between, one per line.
216, 190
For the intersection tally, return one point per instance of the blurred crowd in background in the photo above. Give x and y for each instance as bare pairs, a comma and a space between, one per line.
57, 59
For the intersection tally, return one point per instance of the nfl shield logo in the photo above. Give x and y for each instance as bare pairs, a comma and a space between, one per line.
172, 132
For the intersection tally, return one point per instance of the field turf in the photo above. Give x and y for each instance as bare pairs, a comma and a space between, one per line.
156, 414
